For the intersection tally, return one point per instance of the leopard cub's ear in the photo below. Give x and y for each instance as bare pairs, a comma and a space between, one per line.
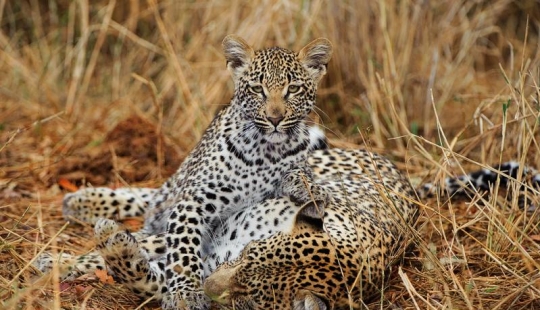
311, 214
238, 55
306, 300
315, 56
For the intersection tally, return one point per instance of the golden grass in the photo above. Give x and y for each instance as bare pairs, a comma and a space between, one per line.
439, 86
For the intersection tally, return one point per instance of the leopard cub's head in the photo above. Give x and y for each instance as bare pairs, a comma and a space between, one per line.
275, 88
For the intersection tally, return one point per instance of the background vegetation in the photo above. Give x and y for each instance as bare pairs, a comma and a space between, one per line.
438, 86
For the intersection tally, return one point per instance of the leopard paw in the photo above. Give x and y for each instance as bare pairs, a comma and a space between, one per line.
121, 251
45, 262
300, 186
104, 229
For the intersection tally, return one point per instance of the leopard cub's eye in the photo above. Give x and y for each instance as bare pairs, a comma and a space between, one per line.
257, 89
293, 89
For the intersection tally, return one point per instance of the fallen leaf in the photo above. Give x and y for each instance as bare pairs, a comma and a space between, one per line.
67, 185
535, 237
64, 286
104, 277
87, 277
81, 289
133, 223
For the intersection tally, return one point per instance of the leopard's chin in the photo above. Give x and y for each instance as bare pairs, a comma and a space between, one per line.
277, 137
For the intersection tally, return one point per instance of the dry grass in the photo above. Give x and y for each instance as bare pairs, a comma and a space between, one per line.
439, 86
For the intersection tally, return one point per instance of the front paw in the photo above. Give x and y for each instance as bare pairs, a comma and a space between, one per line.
118, 247
299, 185
104, 229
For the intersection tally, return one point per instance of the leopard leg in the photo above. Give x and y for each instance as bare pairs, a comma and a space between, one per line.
184, 266
90, 204
70, 266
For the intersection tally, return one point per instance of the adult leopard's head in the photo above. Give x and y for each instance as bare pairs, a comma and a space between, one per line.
275, 88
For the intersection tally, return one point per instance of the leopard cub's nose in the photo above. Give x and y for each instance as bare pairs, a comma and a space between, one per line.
275, 120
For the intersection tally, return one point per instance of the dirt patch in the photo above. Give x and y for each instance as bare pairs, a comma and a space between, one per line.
132, 152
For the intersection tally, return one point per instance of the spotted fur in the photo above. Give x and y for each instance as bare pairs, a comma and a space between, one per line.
241, 159
484, 180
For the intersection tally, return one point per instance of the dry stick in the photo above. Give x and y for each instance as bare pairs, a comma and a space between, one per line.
525, 144
11, 138
16, 63
456, 156
442, 137
95, 53
136, 39
416, 236
55, 278
485, 132
383, 191
38, 28
384, 194
524, 43
501, 227
312, 19
156, 100
86, 298
513, 272
525, 141
171, 55
134, 12
532, 139
70, 35
20, 130
2, 6
502, 304
77, 72
449, 146
431, 83
412, 291
145, 303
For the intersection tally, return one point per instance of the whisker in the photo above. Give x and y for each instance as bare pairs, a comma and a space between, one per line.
316, 110
326, 128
